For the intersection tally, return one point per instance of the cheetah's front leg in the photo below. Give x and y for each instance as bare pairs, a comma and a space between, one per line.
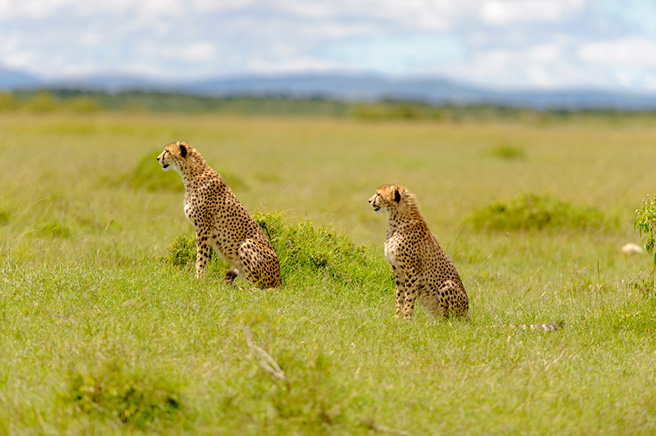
411, 291
202, 252
399, 279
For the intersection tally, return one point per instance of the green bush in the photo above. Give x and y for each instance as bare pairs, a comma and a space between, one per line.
535, 212
646, 224
317, 252
306, 253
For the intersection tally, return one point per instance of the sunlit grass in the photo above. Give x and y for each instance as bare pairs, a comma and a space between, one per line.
86, 297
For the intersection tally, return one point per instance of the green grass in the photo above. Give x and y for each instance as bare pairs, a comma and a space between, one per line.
101, 334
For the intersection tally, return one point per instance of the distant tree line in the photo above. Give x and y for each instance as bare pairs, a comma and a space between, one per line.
88, 102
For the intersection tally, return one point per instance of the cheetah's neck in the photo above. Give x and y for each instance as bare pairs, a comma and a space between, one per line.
404, 214
401, 217
192, 174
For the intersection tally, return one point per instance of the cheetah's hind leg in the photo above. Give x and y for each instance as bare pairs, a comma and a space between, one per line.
436, 300
260, 264
230, 276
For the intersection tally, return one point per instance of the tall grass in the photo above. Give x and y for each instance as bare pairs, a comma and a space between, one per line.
101, 335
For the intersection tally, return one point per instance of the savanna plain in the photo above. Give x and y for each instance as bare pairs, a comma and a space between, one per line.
104, 328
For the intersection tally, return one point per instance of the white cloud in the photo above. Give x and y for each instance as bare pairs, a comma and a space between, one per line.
544, 43
297, 65
544, 53
398, 54
626, 52
35, 9
40, 9
541, 67
504, 12
197, 52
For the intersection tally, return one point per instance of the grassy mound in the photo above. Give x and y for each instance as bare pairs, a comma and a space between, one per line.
535, 212
307, 253
148, 175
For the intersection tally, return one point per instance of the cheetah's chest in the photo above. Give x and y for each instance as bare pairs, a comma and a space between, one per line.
392, 250
192, 209
189, 211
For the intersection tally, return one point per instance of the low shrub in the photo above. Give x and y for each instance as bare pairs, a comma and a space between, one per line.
134, 398
535, 212
182, 254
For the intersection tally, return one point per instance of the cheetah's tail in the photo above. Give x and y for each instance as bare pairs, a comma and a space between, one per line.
545, 327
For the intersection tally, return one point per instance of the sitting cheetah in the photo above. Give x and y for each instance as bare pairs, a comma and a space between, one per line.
422, 270
221, 221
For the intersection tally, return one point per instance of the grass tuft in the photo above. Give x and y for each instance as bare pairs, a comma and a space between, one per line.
4, 217
54, 229
134, 398
306, 398
536, 212
507, 152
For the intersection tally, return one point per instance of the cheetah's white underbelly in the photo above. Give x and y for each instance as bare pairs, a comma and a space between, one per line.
187, 211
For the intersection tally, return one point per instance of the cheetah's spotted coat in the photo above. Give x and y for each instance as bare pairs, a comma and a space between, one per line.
422, 270
221, 221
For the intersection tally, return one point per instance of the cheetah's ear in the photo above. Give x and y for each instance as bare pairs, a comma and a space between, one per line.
397, 195
183, 151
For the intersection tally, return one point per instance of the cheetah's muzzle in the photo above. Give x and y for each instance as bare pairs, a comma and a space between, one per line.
161, 162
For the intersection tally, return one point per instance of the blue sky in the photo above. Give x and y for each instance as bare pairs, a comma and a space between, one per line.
545, 44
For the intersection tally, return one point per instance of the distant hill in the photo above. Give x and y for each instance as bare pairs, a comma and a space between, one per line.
347, 87
433, 90
11, 79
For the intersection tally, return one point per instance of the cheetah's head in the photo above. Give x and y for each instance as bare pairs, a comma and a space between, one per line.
387, 197
174, 155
